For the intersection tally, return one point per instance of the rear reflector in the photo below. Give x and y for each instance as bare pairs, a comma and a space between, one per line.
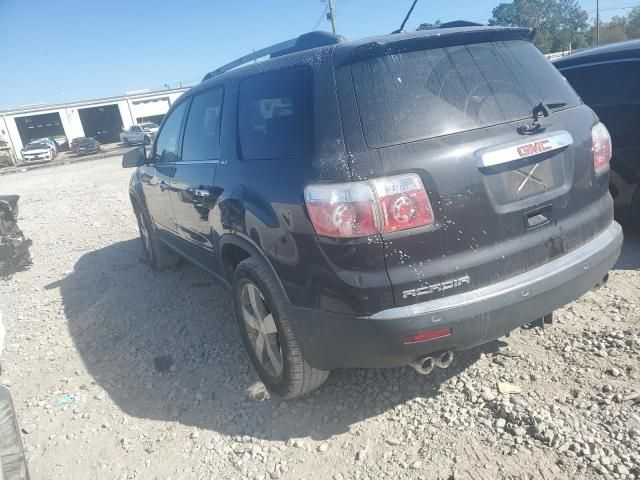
428, 335
601, 148
359, 209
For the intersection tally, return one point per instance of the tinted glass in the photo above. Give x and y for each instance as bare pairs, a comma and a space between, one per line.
167, 142
275, 114
202, 131
428, 93
606, 84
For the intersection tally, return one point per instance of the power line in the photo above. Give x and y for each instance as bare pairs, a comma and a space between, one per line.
613, 9
324, 12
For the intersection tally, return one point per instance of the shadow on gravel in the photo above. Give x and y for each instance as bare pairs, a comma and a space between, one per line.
128, 322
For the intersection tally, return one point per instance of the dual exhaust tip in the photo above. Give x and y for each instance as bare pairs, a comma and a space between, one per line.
425, 365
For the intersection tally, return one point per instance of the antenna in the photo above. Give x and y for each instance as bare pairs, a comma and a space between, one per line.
401, 29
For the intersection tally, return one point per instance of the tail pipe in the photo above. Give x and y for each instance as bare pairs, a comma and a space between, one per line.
425, 365
601, 283
444, 359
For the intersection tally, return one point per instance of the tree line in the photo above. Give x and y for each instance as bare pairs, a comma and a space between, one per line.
561, 24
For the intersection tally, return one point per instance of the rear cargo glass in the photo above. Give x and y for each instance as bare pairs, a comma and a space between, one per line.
429, 93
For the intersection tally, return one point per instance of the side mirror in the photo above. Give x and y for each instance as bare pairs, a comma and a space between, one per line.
134, 158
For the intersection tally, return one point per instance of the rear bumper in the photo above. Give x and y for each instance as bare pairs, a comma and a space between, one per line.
330, 340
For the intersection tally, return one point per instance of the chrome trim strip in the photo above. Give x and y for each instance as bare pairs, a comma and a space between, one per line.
510, 152
538, 279
194, 162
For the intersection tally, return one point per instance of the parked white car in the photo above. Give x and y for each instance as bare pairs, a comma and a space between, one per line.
142, 133
38, 151
48, 141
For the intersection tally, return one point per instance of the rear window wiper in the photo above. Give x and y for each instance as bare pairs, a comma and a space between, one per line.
539, 111
534, 127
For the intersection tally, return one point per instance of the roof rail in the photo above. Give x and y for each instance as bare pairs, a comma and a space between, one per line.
305, 41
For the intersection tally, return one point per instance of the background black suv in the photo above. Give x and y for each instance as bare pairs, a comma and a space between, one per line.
607, 79
381, 202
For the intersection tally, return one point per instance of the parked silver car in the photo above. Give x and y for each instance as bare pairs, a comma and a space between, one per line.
142, 133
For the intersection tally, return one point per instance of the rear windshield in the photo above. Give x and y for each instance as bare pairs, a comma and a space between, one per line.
428, 93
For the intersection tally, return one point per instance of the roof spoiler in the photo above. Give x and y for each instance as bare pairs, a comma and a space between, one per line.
305, 41
426, 39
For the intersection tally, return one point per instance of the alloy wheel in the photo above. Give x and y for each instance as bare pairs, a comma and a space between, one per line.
261, 329
146, 239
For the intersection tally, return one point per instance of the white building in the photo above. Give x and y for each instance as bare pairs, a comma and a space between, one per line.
102, 118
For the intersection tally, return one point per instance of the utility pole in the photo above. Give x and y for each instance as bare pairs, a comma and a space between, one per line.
597, 22
332, 16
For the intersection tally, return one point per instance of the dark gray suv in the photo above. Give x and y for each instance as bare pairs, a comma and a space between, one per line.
382, 202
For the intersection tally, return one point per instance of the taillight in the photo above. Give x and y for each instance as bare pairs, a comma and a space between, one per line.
601, 148
342, 210
358, 209
403, 202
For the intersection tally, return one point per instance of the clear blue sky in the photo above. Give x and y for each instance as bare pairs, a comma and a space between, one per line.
61, 50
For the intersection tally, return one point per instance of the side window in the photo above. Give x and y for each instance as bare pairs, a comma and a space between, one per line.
166, 149
202, 130
275, 114
621, 80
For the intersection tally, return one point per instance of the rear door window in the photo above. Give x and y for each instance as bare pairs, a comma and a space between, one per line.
275, 114
202, 130
429, 93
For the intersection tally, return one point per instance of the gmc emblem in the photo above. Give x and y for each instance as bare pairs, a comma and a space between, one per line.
534, 148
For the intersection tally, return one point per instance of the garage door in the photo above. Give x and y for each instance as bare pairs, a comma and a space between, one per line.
103, 123
47, 125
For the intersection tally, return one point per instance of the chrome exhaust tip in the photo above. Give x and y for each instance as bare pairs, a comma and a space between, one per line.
424, 366
444, 359
602, 282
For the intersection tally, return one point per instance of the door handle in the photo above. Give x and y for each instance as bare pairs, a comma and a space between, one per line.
202, 193
164, 186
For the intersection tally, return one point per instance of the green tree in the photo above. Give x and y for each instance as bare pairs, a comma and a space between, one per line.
613, 31
558, 23
633, 23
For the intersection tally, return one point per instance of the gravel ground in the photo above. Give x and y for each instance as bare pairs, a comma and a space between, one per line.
121, 373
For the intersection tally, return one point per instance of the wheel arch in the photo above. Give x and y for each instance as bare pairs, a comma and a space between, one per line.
234, 249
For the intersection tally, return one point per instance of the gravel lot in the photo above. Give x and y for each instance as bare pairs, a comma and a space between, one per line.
120, 373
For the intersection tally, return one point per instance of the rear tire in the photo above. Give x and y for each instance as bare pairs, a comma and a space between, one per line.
281, 366
158, 255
